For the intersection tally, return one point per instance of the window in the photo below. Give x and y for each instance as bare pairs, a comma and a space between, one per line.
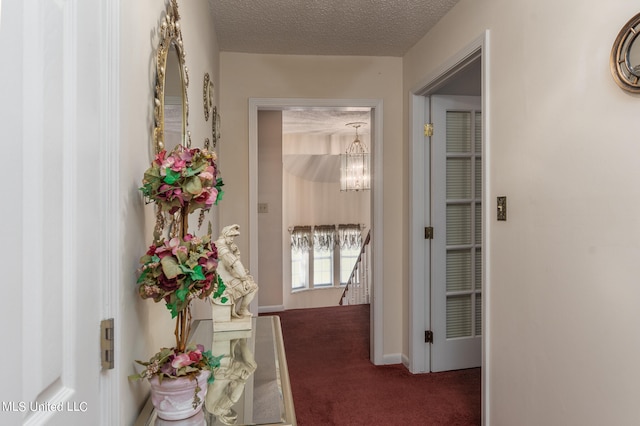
300, 245
322, 257
299, 269
350, 243
323, 242
348, 258
322, 267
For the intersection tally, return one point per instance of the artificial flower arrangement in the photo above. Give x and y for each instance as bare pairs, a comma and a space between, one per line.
181, 267
178, 270
170, 363
184, 177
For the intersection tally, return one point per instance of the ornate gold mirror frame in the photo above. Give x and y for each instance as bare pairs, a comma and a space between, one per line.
625, 56
207, 95
170, 43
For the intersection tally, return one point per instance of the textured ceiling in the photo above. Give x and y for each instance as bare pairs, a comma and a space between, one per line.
313, 138
325, 27
325, 121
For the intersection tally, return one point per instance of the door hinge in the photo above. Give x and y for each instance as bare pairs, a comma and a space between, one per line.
428, 336
428, 232
106, 343
428, 129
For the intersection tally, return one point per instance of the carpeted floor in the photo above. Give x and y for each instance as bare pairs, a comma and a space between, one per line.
334, 383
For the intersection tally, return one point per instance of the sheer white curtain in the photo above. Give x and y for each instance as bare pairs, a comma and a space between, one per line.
301, 238
349, 236
324, 237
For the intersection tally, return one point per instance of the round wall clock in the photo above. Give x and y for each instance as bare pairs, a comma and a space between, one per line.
625, 56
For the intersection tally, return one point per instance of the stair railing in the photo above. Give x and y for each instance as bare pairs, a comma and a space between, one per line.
357, 290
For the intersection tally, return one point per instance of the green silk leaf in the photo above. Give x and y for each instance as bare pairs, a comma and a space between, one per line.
181, 293
193, 185
170, 267
171, 177
185, 269
197, 274
142, 276
220, 289
219, 197
173, 309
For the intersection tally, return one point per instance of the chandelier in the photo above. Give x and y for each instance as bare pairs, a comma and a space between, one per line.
355, 171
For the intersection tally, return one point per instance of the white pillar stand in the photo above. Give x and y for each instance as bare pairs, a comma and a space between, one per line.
224, 321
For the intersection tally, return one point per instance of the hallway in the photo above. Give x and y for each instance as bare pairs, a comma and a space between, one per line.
334, 383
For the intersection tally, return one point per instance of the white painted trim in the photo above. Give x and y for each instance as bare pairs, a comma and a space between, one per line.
405, 361
32, 177
487, 224
70, 196
270, 309
377, 244
109, 183
391, 359
419, 217
417, 287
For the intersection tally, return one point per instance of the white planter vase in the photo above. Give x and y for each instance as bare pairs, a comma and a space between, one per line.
173, 398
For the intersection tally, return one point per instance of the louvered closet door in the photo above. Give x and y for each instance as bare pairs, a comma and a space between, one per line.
456, 285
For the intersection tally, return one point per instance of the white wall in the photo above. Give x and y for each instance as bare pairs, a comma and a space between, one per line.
146, 326
563, 344
244, 76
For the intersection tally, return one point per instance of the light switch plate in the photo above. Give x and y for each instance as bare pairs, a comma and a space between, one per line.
263, 208
502, 208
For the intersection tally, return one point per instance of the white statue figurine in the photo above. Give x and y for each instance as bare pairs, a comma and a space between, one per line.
240, 286
229, 383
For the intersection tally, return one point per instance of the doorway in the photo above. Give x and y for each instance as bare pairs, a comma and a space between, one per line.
453, 77
261, 104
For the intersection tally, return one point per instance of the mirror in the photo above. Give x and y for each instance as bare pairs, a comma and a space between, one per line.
625, 56
171, 102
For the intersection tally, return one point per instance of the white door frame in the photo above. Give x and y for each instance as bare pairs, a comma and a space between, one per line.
110, 277
419, 208
377, 245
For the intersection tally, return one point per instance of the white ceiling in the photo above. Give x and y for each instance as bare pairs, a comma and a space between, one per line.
325, 27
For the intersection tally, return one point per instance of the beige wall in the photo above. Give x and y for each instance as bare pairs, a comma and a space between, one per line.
562, 344
270, 193
147, 326
244, 76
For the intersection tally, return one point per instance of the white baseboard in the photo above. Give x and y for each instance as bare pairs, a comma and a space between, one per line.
389, 359
269, 309
405, 361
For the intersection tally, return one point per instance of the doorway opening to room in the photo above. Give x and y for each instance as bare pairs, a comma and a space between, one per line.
329, 225
295, 147
448, 216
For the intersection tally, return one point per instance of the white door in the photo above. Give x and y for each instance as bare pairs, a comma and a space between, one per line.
456, 273
50, 80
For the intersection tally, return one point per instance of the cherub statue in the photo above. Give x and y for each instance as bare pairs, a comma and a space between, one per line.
240, 286
229, 382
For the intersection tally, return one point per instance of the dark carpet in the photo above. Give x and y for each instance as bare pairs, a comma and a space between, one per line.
334, 383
